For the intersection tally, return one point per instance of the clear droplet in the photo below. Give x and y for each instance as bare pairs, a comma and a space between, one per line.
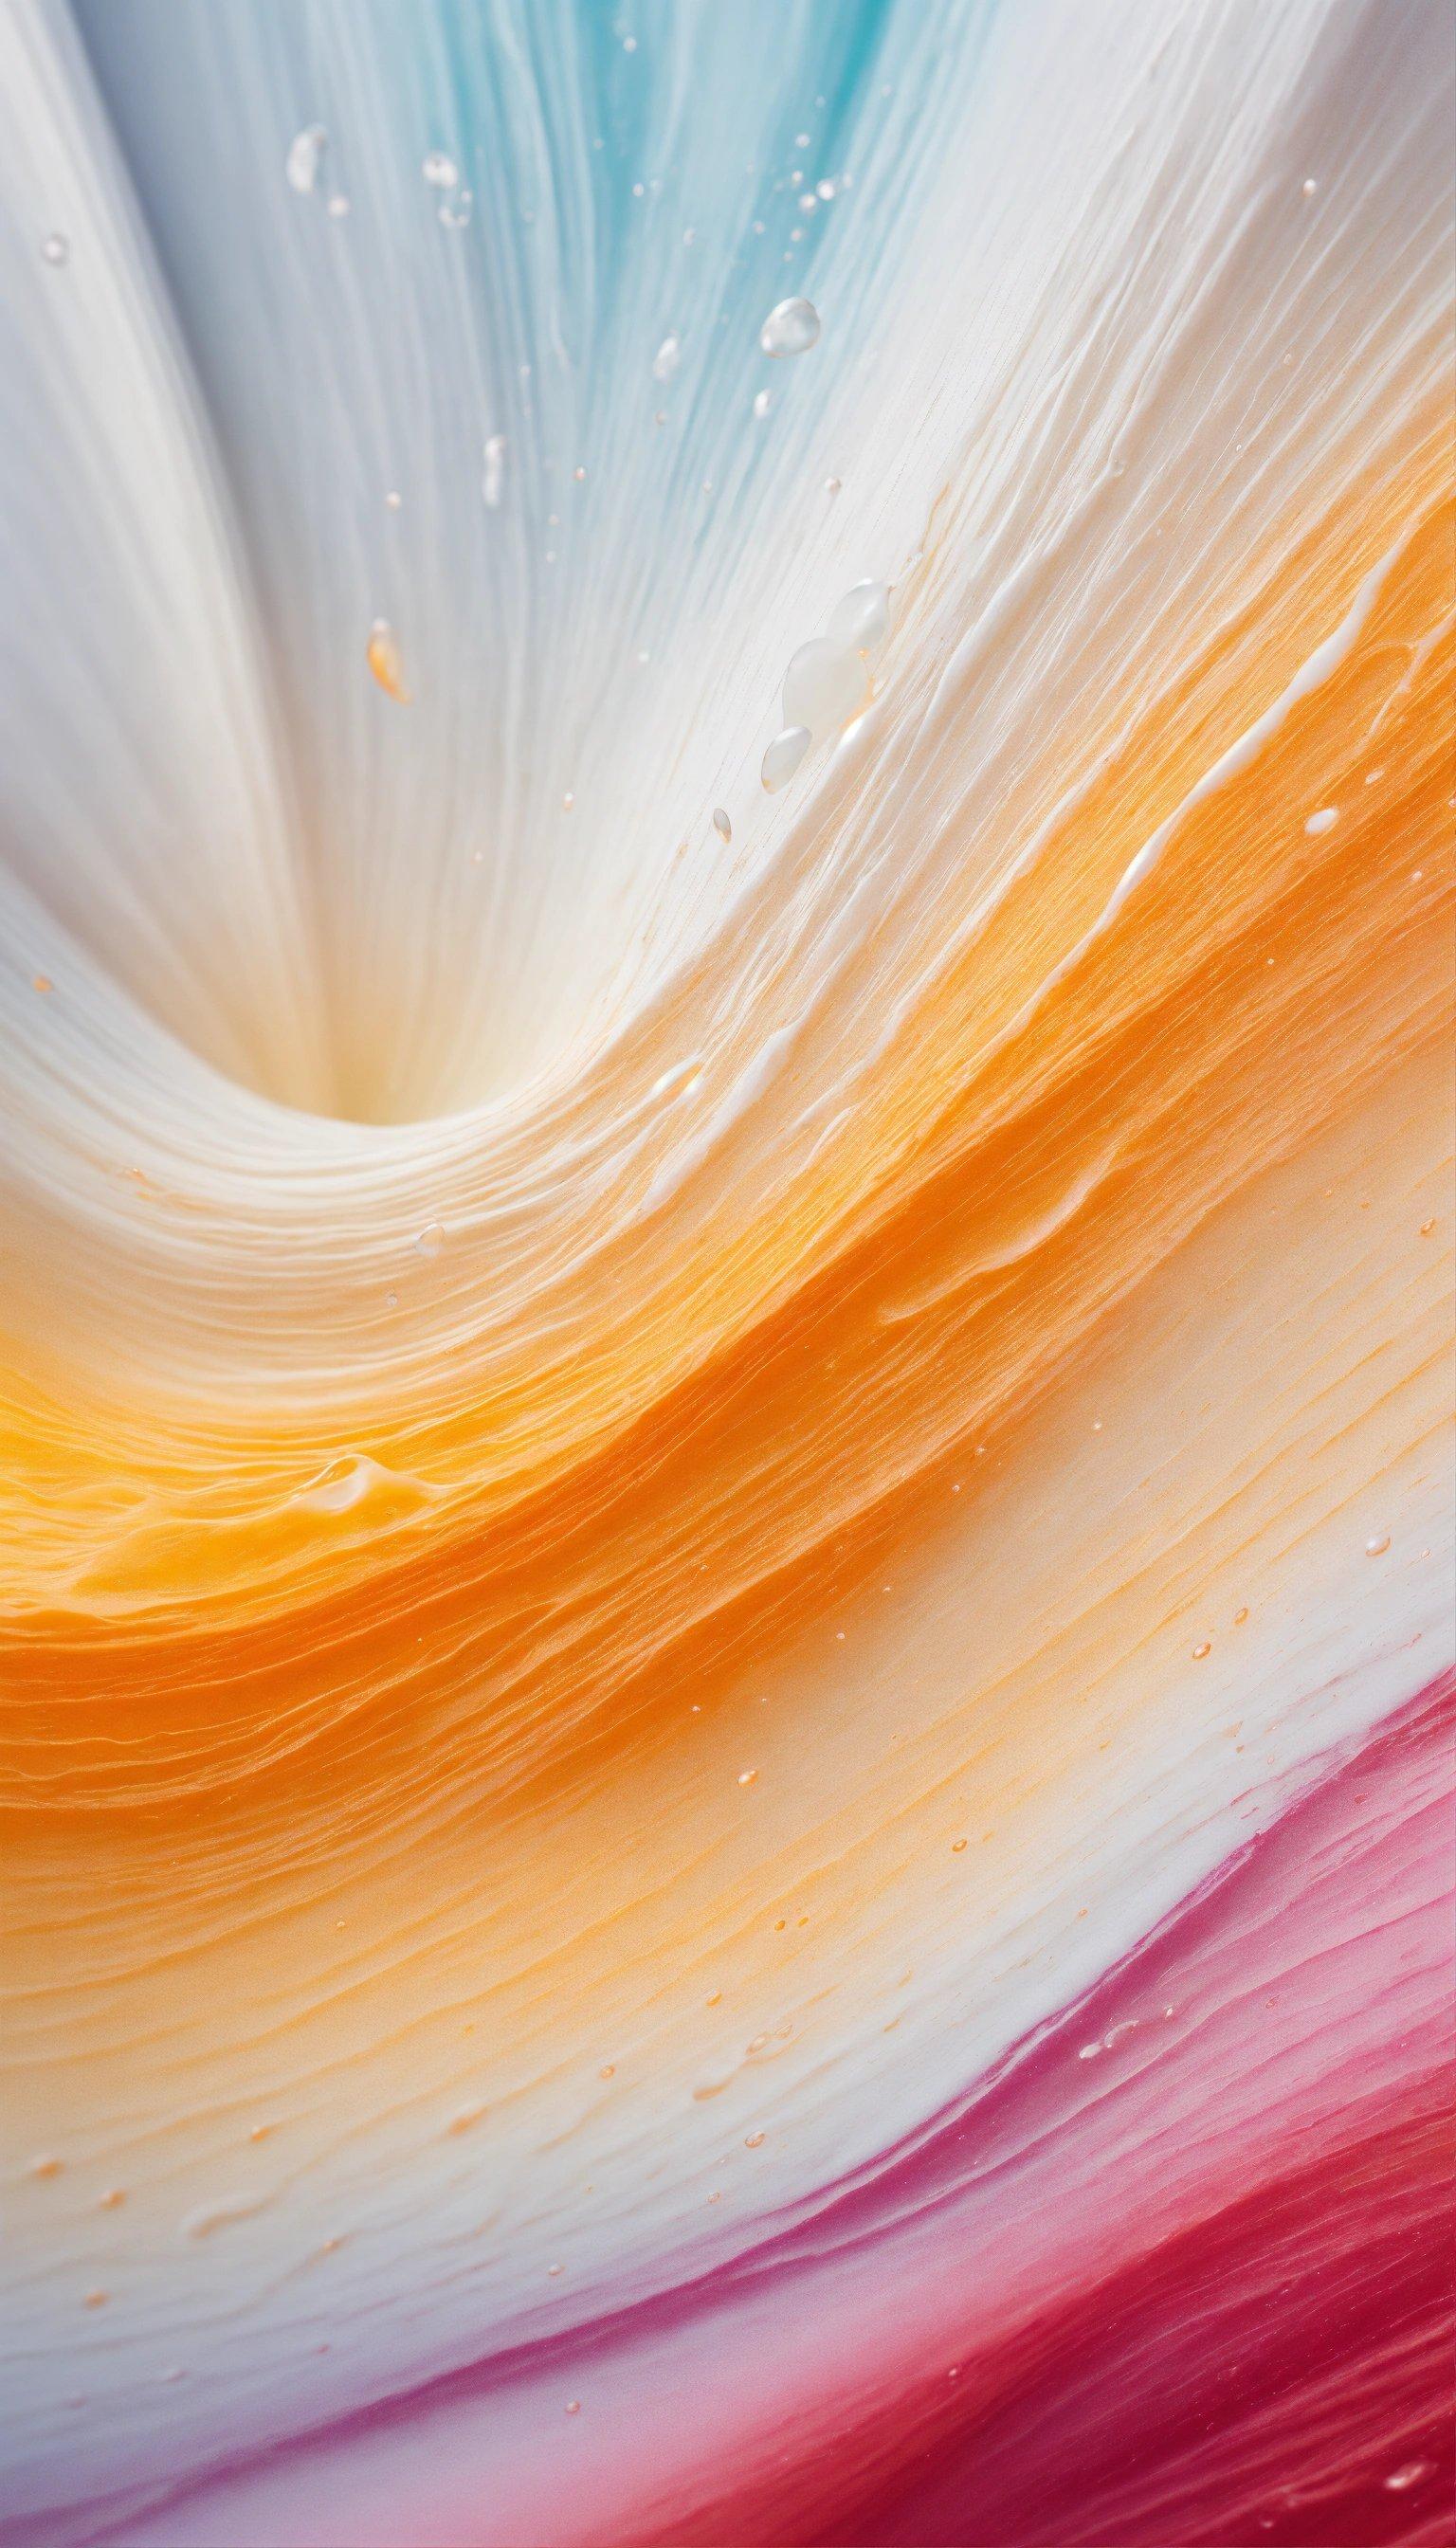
1409, 2474
304, 156
668, 355
385, 661
721, 824
338, 207
392, 500
824, 686
746, 1777
432, 1239
439, 169
752, 2141
1200, 1651
784, 756
792, 327
56, 248
761, 404
832, 486
493, 481
862, 618
1323, 821
1376, 1547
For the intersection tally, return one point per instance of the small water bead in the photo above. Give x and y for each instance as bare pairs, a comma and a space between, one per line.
46, 2165
752, 2141
493, 481
862, 618
1323, 821
578, 475
762, 405
56, 248
808, 203
96, 2299
381, 653
304, 157
1200, 1651
1409, 2474
392, 500
825, 190
432, 1239
572, 2406
832, 486
338, 207
668, 355
721, 824
792, 327
746, 1777
824, 686
1376, 1547
456, 216
1311, 186
784, 756
439, 169
341, 1486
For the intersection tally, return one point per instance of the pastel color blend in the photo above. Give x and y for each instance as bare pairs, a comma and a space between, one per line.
726, 965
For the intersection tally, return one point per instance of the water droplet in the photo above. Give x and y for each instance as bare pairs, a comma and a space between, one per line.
113, 2199
383, 657
573, 2406
784, 756
609, 2070
438, 169
1311, 186
721, 824
432, 1239
746, 1777
578, 475
493, 480
1376, 1547
456, 216
42, 982
862, 618
825, 190
46, 2166
340, 1486
305, 153
1323, 821
761, 404
668, 355
832, 486
338, 207
792, 327
392, 500
1200, 1651
808, 203
553, 2270
56, 248
1409, 2474
752, 2141
824, 686
96, 2299
957, 1846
